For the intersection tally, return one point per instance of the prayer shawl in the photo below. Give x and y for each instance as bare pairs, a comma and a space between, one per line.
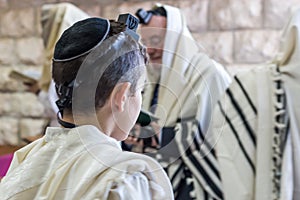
55, 19
82, 163
256, 127
190, 81
190, 85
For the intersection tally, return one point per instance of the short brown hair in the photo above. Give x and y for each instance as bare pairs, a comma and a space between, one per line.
125, 68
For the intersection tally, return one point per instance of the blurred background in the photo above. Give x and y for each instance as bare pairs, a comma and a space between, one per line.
240, 34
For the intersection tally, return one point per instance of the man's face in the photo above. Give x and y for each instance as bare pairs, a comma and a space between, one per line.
153, 37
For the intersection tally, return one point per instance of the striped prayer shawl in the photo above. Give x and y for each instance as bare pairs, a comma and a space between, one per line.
193, 170
200, 158
250, 137
241, 105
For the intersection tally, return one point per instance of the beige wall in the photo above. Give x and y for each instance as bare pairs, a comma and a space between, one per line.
239, 34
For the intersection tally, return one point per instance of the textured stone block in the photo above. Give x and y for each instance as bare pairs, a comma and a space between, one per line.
10, 84
5, 100
29, 105
235, 14
255, 46
3, 4
18, 22
20, 104
8, 131
32, 127
113, 10
91, 10
8, 54
218, 45
30, 50
278, 12
29, 3
196, 15
7, 83
88, 2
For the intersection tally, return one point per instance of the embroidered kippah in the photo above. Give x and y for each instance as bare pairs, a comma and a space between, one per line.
81, 38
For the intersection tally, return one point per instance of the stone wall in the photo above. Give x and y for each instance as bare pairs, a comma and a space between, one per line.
239, 34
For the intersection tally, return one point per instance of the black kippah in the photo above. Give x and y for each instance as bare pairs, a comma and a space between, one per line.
81, 38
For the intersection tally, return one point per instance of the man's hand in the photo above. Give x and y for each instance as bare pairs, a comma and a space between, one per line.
142, 138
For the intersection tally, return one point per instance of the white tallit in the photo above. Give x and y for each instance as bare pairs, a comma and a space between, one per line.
82, 163
190, 81
245, 122
189, 86
289, 61
56, 18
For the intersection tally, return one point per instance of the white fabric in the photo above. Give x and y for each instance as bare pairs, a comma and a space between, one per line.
287, 182
49, 102
289, 62
190, 85
236, 173
190, 81
82, 163
239, 181
205, 174
265, 131
53, 96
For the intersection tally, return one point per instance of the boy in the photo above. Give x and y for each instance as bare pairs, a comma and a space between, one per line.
99, 72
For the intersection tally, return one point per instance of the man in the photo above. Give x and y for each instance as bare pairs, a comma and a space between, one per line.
99, 72
185, 84
55, 18
256, 126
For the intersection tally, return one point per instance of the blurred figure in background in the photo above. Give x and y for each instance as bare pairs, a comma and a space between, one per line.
256, 126
183, 86
55, 19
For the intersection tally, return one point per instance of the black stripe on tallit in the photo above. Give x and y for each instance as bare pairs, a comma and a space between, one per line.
237, 138
212, 151
246, 95
285, 135
207, 178
198, 166
208, 162
204, 141
242, 115
176, 173
206, 195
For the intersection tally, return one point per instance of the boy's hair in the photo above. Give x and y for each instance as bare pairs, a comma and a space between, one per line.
125, 68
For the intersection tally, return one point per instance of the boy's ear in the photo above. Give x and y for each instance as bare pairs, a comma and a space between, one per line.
120, 95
